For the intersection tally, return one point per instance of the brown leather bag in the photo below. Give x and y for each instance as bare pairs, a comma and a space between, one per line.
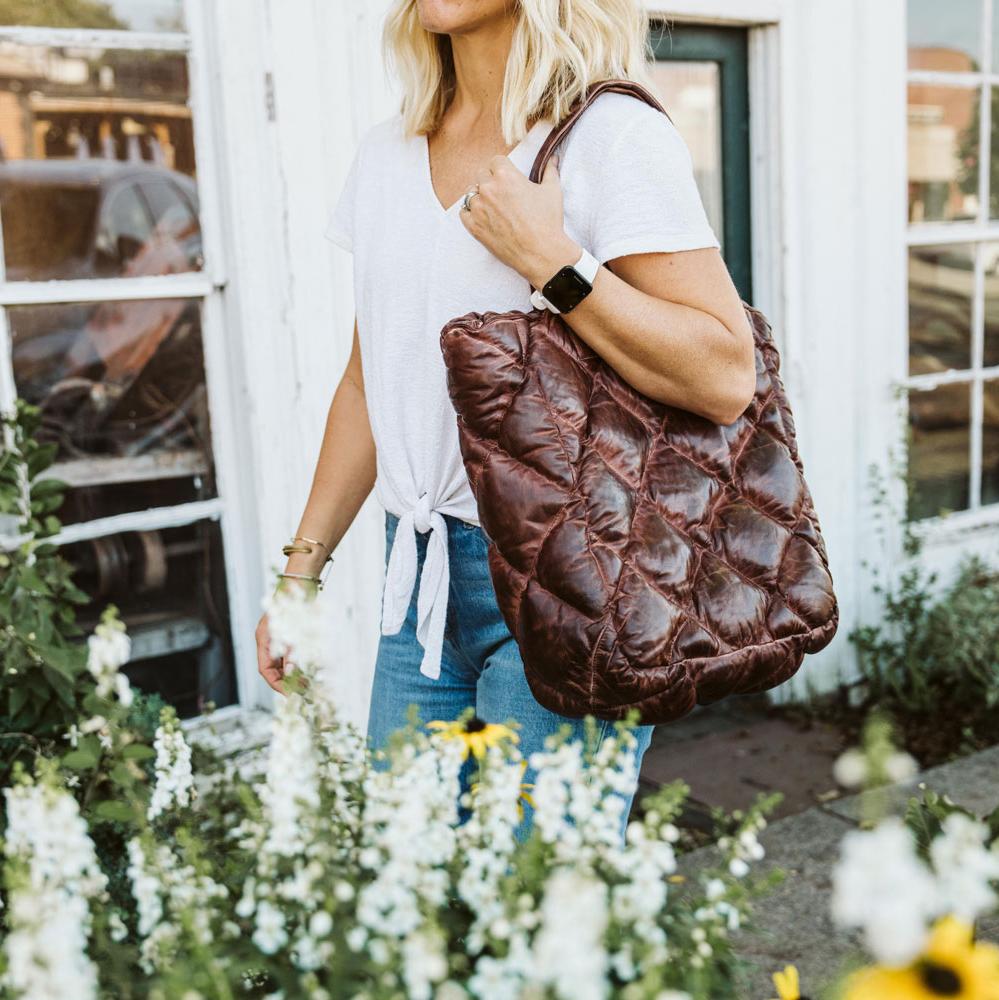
642, 556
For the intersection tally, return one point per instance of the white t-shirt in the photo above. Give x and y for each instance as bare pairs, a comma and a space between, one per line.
628, 187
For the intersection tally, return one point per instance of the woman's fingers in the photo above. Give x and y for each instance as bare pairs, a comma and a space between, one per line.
271, 668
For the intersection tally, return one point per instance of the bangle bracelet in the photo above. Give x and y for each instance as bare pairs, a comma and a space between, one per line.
315, 541
299, 576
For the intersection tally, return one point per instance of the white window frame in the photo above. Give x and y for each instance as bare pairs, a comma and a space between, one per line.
233, 506
941, 530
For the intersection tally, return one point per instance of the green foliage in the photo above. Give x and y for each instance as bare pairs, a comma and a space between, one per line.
44, 681
932, 647
42, 657
930, 650
59, 13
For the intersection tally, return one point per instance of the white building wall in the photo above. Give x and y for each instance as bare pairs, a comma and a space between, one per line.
828, 96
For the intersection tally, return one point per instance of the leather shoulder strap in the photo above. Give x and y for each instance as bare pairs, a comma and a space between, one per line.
561, 130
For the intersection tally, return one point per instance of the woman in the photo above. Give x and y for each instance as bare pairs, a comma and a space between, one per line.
442, 220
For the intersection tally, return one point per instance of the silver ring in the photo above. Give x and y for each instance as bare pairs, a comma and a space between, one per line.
469, 195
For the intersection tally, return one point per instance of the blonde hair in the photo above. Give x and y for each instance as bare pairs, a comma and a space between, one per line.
559, 47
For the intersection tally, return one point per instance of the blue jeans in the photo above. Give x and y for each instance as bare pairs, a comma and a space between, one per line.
481, 666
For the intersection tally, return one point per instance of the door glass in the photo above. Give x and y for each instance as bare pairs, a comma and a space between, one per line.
122, 390
945, 35
76, 126
941, 291
122, 15
943, 152
691, 93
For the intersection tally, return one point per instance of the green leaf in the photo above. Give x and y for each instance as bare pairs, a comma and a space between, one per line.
111, 810
138, 751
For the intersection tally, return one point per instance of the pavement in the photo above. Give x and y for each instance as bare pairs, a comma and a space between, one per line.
792, 925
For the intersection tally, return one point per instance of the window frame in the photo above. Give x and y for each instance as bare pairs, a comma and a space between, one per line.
728, 46
233, 506
977, 233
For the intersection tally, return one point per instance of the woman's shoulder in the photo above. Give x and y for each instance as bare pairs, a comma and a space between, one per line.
617, 117
382, 136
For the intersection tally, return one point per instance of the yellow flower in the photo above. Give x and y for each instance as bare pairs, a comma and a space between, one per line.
788, 984
476, 735
953, 965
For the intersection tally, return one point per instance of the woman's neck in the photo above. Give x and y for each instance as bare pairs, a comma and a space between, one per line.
480, 59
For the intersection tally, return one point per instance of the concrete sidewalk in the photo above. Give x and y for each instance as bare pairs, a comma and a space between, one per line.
792, 925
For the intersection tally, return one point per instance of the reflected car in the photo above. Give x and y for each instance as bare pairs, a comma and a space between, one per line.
86, 364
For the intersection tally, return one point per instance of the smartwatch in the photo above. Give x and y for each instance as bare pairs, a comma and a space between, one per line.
568, 286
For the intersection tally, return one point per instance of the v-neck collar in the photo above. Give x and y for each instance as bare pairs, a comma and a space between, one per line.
522, 155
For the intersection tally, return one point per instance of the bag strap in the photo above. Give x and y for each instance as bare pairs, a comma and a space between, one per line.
561, 130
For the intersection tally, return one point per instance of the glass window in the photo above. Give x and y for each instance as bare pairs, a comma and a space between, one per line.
169, 585
945, 35
691, 92
98, 183
121, 386
943, 152
953, 174
77, 128
990, 442
122, 15
941, 291
939, 450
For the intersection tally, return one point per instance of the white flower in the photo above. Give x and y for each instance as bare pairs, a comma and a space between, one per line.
964, 867
569, 952
174, 782
850, 769
882, 888
53, 875
900, 767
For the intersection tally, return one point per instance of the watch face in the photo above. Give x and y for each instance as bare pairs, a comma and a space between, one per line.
566, 289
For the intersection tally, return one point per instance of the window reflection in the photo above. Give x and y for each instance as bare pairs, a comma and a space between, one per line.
990, 443
169, 584
991, 345
691, 93
943, 138
121, 15
96, 164
939, 461
945, 32
122, 391
941, 290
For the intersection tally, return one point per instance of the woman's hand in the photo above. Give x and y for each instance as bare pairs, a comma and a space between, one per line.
271, 668
521, 222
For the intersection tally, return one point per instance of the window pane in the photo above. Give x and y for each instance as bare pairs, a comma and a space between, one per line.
991, 263
990, 444
98, 165
169, 585
939, 467
941, 288
945, 36
943, 152
691, 92
135, 15
122, 391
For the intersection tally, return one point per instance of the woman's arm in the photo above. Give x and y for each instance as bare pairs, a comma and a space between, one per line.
671, 324
343, 478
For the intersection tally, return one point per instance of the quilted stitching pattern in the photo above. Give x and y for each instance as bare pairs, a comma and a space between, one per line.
642, 556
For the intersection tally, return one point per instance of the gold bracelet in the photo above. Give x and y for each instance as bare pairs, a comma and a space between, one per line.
315, 541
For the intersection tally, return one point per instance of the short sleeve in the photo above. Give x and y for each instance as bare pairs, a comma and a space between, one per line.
647, 198
340, 224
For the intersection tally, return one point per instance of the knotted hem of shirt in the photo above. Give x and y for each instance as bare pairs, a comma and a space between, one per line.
400, 578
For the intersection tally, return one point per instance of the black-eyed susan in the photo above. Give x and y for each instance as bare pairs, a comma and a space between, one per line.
953, 965
476, 735
788, 984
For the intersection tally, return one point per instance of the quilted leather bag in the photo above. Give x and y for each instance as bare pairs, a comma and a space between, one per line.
642, 556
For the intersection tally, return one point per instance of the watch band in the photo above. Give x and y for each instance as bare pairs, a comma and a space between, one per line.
587, 266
